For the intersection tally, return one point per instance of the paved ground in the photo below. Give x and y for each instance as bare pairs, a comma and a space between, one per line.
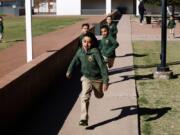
15, 56
150, 31
116, 113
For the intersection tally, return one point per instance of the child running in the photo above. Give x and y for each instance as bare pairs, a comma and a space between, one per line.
171, 26
85, 28
112, 27
107, 46
94, 74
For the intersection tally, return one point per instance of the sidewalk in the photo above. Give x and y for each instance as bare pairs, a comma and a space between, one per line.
116, 113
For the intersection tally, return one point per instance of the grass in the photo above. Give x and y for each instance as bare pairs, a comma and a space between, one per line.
15, 27
160, 98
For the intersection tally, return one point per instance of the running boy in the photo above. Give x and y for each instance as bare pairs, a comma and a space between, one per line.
112, 27
84, 30
107, 46
171, 26
94, 74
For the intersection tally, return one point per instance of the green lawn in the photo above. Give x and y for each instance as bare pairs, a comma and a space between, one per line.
159, 100
15, 27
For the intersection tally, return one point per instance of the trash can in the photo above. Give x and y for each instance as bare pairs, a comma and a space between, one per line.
148, 19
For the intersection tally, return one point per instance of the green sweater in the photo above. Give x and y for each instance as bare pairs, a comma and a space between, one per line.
171, 24
1, 27
107, 46
92, 65
113, 30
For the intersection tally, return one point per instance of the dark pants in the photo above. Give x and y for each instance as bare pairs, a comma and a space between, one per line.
141, 17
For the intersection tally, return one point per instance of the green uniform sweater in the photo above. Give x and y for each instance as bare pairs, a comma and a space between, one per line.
92, 65
107, 46
1, 27
171, 24
113, 30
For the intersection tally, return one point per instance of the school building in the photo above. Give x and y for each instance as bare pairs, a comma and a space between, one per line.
69, 7
79, 7
74, 7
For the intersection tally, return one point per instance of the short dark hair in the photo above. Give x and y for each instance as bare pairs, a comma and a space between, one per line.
105, 27
109, 16
88, 34
85, 24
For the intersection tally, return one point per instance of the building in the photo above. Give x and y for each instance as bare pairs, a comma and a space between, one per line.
12, 7
74, 7
79, 7
69, 7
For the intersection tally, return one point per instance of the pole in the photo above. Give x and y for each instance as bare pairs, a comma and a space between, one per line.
28, 30
163, 66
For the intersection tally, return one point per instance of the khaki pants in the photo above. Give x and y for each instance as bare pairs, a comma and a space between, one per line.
87, 87
109, 61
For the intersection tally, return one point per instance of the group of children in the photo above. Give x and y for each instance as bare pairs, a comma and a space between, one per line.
94, 57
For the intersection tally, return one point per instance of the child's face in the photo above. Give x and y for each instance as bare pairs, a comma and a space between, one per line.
171, 18
85, 29
0, 19
86, 43
104, 32
109, 20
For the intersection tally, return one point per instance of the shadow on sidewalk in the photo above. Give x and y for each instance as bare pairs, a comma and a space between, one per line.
134, 77
49, 113
121, 70
154, 113
132, 54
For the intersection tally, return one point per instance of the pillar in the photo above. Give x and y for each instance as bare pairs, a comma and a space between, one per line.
137, 10
108, 6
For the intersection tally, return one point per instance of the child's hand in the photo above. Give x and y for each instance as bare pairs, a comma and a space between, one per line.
68, 75
105, 87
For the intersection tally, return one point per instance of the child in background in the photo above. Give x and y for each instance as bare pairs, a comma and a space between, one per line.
107, 46
94, 71
1, 28
84, 30
112, 27
171, 26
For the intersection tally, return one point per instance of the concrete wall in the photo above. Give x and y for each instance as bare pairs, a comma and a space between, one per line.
68, 7
19, 89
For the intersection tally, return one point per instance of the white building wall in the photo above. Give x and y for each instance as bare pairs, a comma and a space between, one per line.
68, 7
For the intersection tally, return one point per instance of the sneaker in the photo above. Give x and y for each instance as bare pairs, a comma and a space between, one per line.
83, 123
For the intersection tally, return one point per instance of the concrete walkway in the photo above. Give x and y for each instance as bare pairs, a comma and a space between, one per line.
116, 113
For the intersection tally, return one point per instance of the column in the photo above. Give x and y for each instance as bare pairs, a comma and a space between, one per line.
68, 7
108, 6
137, 10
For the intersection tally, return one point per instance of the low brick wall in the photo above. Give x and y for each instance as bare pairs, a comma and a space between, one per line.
22, 87
19, 89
